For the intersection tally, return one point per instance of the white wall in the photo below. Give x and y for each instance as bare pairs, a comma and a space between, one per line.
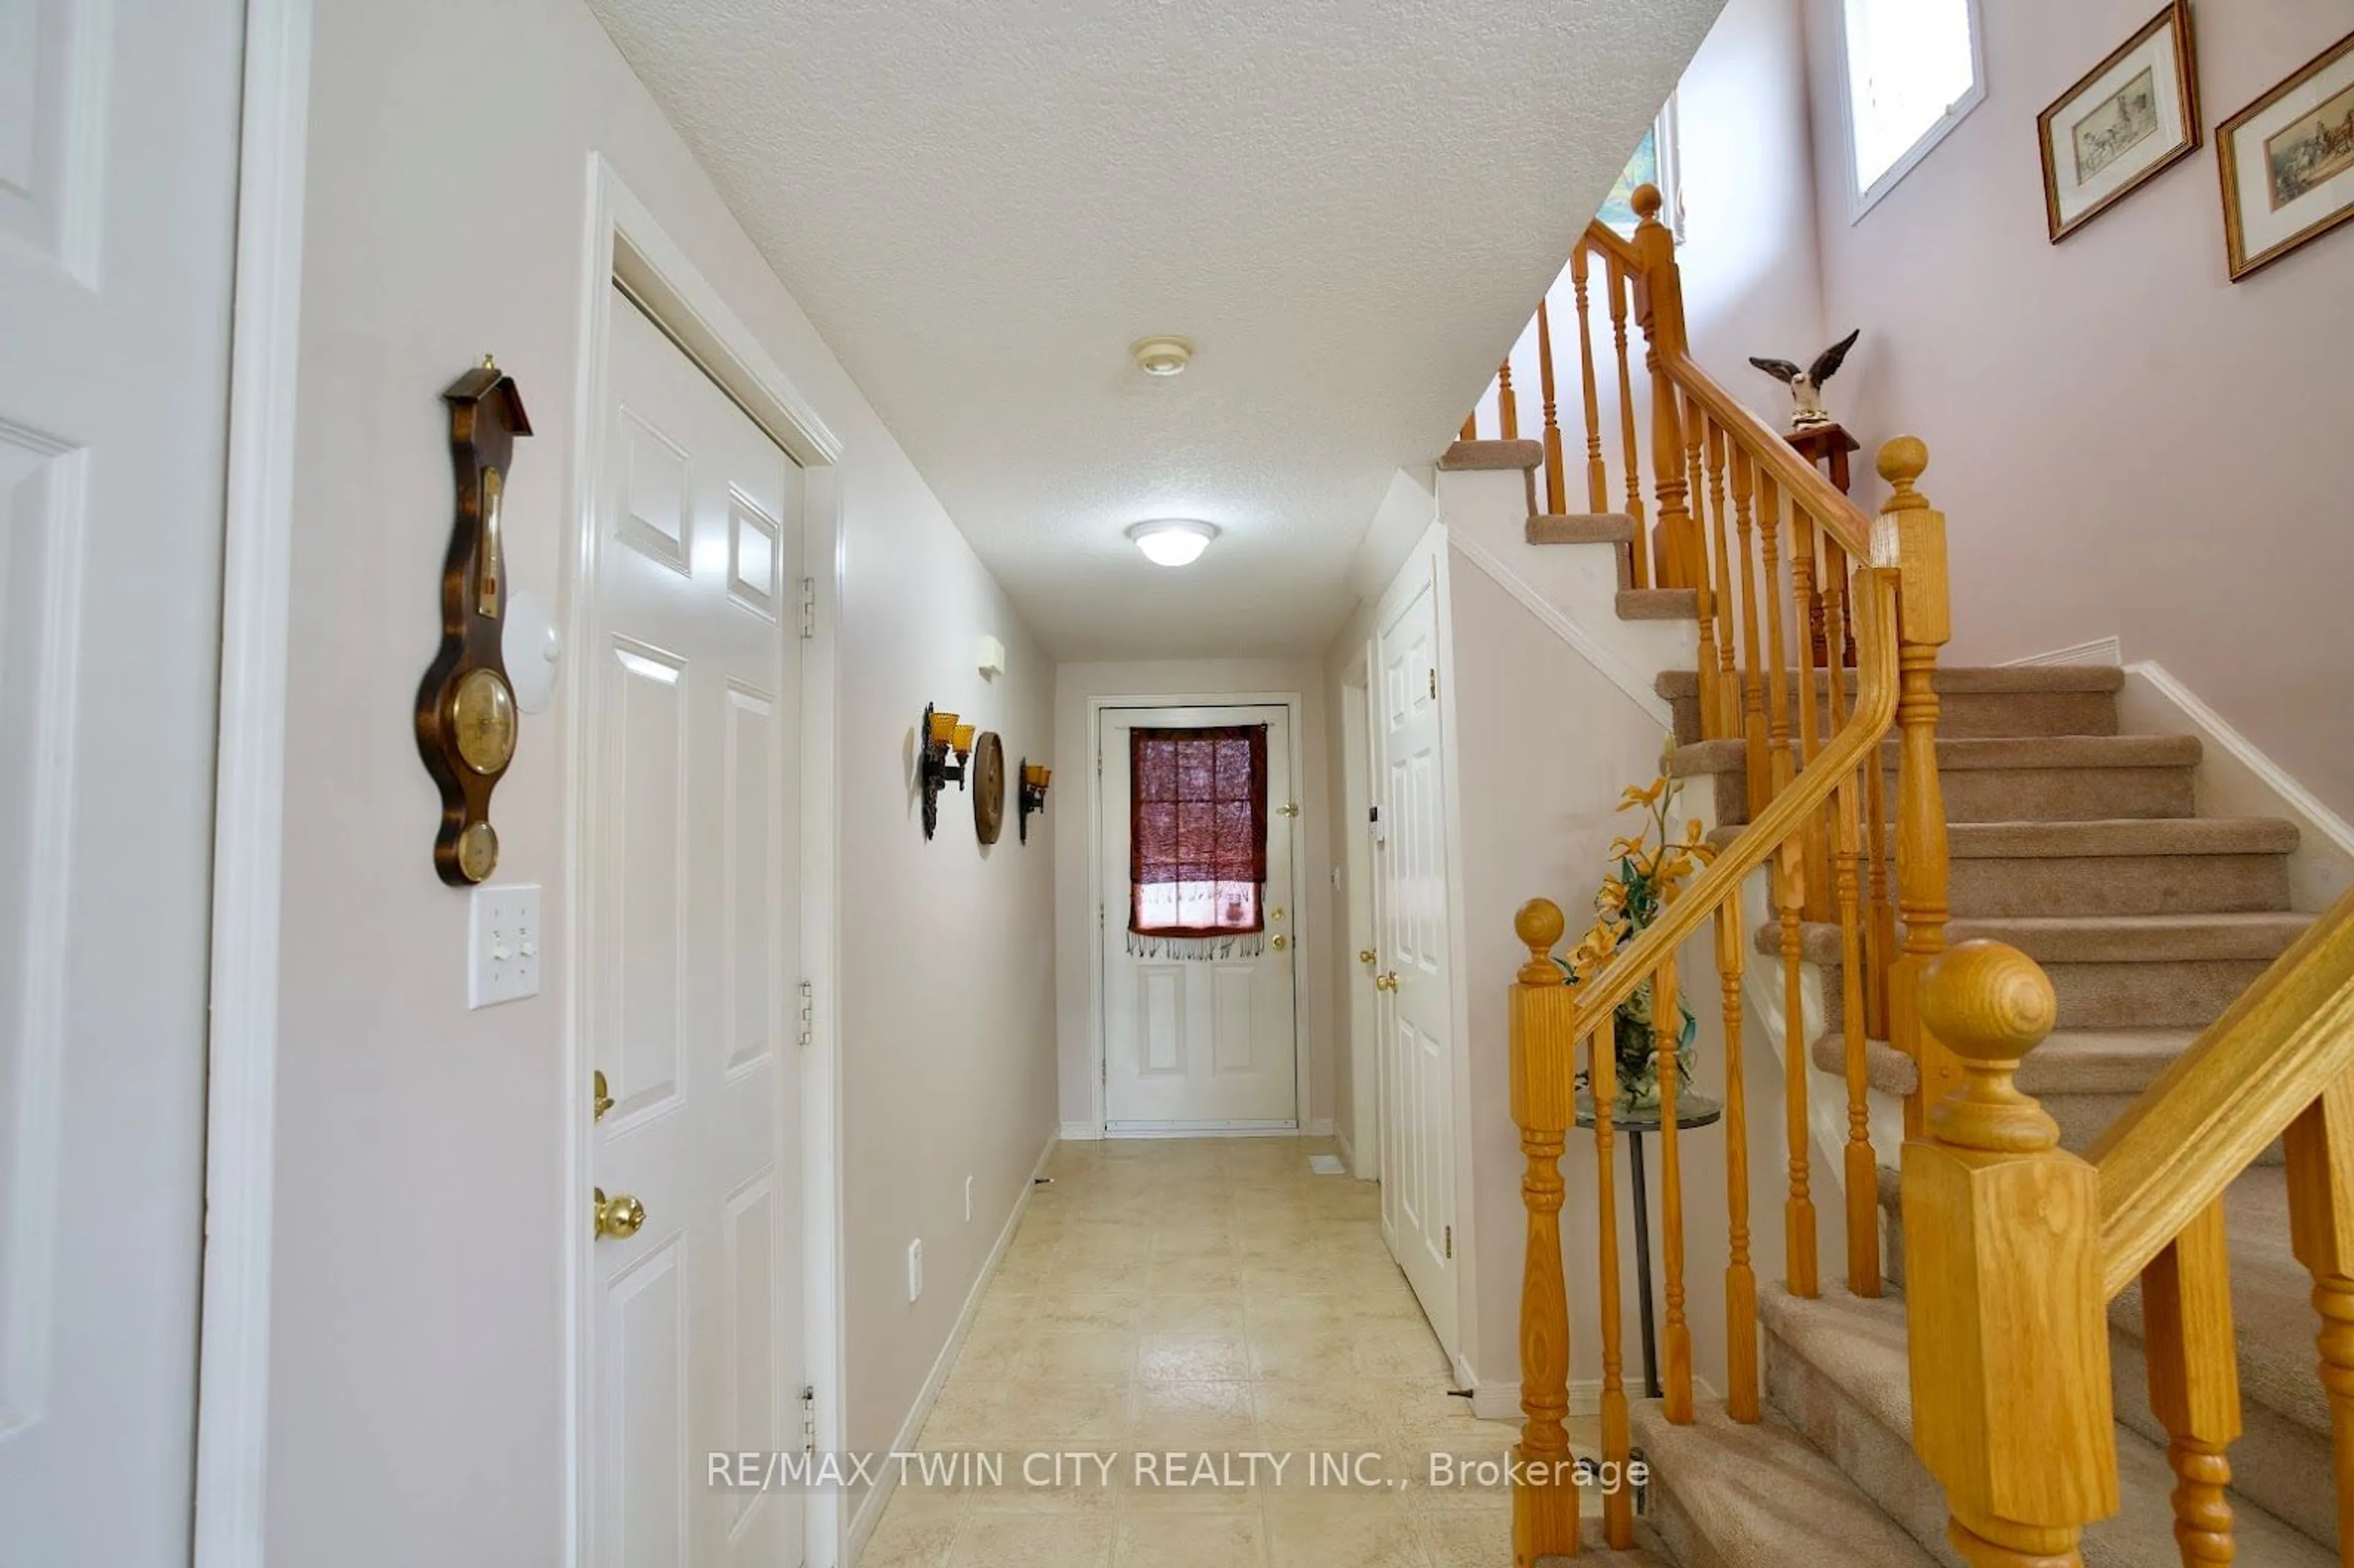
1319, 923
417, 1382
2126, 442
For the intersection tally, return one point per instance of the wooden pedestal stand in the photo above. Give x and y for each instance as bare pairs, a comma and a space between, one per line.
1826, 447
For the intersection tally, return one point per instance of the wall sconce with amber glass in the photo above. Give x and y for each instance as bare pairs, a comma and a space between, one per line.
1035, 776
940, 736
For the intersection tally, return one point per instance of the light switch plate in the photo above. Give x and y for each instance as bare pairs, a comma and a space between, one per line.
915, 1269
503, 944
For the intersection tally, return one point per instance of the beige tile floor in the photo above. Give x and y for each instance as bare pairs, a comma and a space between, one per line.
1208, 1297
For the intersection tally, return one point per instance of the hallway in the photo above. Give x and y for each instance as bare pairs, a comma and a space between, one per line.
1206, 1297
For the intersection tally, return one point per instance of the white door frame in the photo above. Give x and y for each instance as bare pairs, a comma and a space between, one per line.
626, 247
249, 775
1360, 1015
1098, 941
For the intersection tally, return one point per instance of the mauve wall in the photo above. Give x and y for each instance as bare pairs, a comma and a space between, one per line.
2124, 440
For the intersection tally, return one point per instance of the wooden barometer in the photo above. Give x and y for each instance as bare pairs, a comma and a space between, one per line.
466, 717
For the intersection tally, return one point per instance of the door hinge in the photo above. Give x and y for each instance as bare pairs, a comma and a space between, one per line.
808, 609
809, 1013
808, 1418
1450, 1241
1434, 685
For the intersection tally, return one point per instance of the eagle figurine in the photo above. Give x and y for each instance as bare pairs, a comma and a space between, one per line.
1806, 385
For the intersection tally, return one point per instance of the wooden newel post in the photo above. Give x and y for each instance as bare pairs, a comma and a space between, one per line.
2007, 1319
1910, 536
1544, 1104
1659, 306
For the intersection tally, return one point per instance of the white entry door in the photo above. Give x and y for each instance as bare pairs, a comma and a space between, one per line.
1206, 1044
1419, 1196
118, 196
690, 940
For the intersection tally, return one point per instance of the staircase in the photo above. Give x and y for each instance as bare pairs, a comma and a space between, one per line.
2119, 1231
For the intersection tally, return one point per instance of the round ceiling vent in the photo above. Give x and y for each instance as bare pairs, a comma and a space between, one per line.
1161, 355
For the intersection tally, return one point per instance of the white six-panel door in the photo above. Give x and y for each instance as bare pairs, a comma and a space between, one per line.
1416, 1016
689, 901
118, 194
1198, 1045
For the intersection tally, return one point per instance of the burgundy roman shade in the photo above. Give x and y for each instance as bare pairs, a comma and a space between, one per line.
1197, 839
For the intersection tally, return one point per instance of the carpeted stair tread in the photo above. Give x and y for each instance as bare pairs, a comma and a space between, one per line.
1857, 1348
1659, 604
1581, 528
2109, 839
2256, 937
1968, 754
1464, 456
1759, 1496
1956, 680
2070, 1062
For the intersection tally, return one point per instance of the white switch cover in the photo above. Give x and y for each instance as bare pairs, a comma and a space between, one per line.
503, 944
915, 1269
968, 1199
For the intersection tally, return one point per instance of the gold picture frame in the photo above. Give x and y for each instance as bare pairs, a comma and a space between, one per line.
2287, 162
2124, 122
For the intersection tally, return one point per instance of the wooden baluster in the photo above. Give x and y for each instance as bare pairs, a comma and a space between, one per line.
1543, 1101
1675, 551
1809, 742
2321, 1231
1712, 695
1759, 767
1880, 925
1924, 626
1640, 553
1667, 1020
1834, 590
2194, 1380
2007, 1326
1597, 481
1782, 767
1740, 1278
1618, 1433
1508, 407
1470, 431
1798, 1208
1862, 1168
1556, 482
1728, 674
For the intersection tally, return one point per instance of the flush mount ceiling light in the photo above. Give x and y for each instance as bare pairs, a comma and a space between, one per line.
1161, 355
1173, 541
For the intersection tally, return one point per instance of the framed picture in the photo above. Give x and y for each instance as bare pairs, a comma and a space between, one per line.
1653, 163
2289, 162
2133, 116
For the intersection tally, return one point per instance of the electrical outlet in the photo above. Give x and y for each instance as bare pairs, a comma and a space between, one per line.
968, 1199
503, 944
915, 1269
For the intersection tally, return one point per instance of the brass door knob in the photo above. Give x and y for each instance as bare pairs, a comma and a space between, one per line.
1385, 982
1280, 943
1365, 955
618, 1216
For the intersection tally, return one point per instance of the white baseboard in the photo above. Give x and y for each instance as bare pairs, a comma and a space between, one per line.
878, 1496
1320, 1128
2236, 778
1347, 1150
2100, 651
1082, 1132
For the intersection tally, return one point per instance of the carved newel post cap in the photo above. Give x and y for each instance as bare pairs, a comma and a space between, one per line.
1902, 462
1540, 924
1991, 1004
1647, 201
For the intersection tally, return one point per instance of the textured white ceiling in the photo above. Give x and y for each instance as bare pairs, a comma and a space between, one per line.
1350, 207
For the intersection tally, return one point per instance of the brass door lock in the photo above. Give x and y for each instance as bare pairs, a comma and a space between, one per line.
619, 1216
604, 1096
1280, 944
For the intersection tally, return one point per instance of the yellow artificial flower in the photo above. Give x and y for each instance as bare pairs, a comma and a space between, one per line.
1644, 798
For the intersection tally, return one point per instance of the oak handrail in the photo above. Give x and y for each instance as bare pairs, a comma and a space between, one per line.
1875, 710
1800, 480
2218, 1106
1601, 236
